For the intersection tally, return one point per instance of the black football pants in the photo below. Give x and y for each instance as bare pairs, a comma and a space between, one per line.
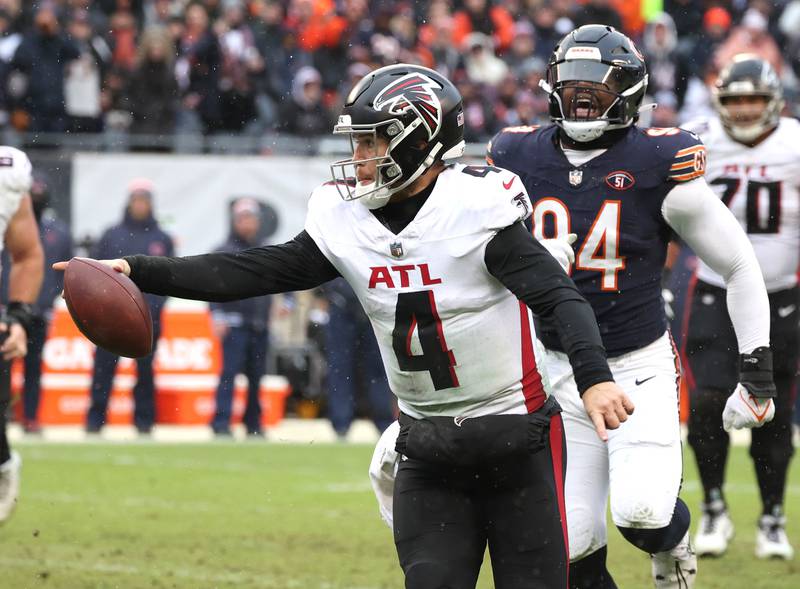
712, 353
5, 400
444, 517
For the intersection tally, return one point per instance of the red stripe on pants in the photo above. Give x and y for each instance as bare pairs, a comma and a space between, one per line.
557, 451
532, 387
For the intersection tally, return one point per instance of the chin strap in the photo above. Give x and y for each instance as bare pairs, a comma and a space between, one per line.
373, 200
605, 141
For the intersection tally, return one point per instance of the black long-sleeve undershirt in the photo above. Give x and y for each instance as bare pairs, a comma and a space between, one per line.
528, 270
219, 277
517, 260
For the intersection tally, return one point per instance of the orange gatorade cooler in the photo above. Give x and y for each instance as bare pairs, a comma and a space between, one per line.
187, 365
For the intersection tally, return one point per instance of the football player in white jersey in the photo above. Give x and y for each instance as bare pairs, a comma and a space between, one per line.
754, 164
446, 272
20, 234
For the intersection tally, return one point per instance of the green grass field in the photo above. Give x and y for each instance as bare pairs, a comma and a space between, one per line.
267, 516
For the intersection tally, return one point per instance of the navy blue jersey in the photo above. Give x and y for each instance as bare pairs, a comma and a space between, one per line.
613, 203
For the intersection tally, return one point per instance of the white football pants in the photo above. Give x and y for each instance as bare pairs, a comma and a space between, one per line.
641, 463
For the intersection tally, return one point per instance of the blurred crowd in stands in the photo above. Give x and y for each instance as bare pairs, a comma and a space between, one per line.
251, 67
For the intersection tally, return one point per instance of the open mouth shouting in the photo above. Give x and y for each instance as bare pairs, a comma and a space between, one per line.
585, 106
586, 101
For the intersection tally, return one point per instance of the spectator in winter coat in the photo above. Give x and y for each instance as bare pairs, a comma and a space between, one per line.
480, 62
716, 24
522, 49
138, 233
481, 16
751, 36
152, 92
242, 65
84, 76
667, 68
42, 57
303, 113
243, 328
197, 70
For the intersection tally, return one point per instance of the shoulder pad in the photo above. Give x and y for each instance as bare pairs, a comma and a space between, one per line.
324, 197
501, 199
504, 141
689, 161
683, 149
697, 126
789, 124
15, 171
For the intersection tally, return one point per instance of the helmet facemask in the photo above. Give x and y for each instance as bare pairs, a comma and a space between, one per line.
391, 175
388, 174
746, 122
589, 97
748, 97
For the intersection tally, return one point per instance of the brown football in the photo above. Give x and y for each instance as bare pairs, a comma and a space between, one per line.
108, 308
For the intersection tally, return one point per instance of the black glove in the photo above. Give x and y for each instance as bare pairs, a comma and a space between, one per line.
17, 312
755, 373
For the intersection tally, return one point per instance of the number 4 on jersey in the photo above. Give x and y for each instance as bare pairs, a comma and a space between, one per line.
600, 250
416, 311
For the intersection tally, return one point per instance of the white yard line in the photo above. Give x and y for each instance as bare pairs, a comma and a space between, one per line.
292, 431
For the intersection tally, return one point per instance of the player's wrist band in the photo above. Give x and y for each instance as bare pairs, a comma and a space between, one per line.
21, 313
755, 372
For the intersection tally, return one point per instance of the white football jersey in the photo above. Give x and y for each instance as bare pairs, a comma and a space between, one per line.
760, 186
453, 339
15, 182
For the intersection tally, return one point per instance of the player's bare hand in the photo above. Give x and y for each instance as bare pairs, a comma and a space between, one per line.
119, 265
608, 406
16, 343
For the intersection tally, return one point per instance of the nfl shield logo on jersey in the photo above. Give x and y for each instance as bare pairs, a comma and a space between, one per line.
396, 249
575, 177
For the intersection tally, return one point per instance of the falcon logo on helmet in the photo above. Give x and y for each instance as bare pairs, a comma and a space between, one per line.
413, 92
408, 118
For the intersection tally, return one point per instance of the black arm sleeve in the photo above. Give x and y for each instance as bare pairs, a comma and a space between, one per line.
295, 265
528, 270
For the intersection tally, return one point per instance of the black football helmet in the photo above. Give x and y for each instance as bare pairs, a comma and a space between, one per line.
602, 65
748, 75
417, 110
